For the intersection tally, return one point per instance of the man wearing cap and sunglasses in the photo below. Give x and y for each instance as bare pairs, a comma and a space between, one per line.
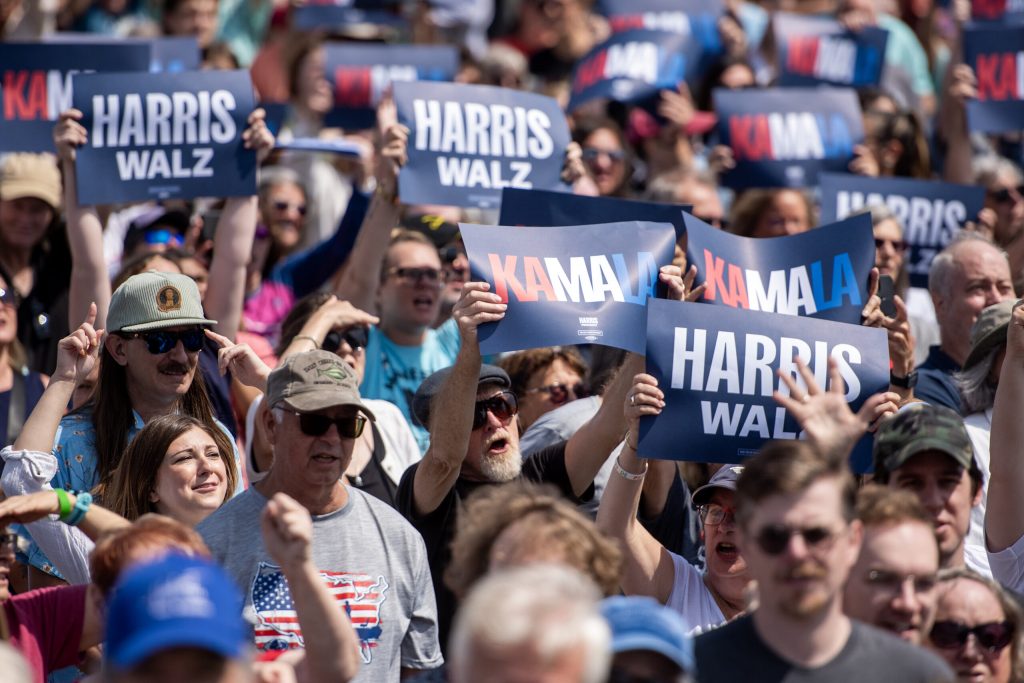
373, 560
797, 532
148, 368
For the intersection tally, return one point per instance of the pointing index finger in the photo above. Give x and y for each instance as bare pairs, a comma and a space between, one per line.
221, 340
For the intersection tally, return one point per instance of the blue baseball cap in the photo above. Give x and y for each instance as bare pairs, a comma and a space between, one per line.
644, 624
724, 478
175, 601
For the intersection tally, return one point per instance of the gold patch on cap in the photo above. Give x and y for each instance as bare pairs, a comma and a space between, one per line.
168, 299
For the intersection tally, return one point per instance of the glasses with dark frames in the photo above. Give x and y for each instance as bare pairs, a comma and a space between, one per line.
162, 341
315, 424
953, 635
899, 246
355, 337
503, 406
714, 514
774, 538
431, 276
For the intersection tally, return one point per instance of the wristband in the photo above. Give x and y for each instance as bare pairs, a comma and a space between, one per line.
626, 474
65, 504
308, 338
82, 504
908, 382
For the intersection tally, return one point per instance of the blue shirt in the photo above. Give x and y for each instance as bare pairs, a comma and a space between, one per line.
935, 383
394, 372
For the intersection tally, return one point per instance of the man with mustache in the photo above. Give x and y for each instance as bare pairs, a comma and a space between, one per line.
892, 586
798, 534
148, 368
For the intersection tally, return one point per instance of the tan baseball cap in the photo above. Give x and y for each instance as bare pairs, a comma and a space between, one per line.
153, 301
31, 175
312, 381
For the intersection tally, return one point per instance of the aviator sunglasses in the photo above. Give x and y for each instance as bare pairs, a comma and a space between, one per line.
503, 406
952, 635
315, 424
162, 341
774, 538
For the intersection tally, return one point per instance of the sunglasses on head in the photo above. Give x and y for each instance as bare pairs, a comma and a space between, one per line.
561, 393
432, 276
8, 296
355, 337
952, 635
315, 424
1007, 195
503, 406
898, 246
774, 538
162, 341
284, 206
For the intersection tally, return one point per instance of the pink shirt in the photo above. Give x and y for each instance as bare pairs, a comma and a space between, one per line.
46, 627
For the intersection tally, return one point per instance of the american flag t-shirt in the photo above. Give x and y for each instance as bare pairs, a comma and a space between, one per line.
277, 624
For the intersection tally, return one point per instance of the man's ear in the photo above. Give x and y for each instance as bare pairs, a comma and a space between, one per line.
269, 422
116, 347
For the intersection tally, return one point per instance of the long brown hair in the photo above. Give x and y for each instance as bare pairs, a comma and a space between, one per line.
112, 417
132, 482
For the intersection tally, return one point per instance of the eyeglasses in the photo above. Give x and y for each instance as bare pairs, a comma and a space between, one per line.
284, 206
561, 393
1007, 195
315, 424
8, 543
899, 246
714, 514
356, 337
892, 583
774, 538
503, 406
8, 297
614, 155
432, 276
952, 635
162, 341
449, 254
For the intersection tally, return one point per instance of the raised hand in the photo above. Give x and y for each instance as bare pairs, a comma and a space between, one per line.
69, 134
29, 507
394, 146
243, 362
287, 531
78, 353
644, 398
680, 287
476, 306
257, 136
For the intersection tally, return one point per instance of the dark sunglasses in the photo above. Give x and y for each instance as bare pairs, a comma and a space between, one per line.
774, 538
432, 276
8, 296
162, 341
8, 543
356, 337
561, 393
449, 254
314, 424
952, 635
503, 406
1004, 195
284, 206
713, 514
899, 246
592, 153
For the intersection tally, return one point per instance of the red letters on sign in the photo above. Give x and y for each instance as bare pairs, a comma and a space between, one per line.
352, 86
988, 9
801, 54
997, 76
591, 71
749, 138
505, 278
24, 95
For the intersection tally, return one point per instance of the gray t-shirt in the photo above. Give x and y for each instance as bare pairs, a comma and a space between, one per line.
372, 560
735, 652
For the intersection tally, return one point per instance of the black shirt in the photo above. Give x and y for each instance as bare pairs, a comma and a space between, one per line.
735, 652
546, 466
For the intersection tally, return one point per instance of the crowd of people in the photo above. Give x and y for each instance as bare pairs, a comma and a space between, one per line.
255, 438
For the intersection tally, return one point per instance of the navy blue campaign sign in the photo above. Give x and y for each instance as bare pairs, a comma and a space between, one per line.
932, 212
359, 75
631, 66
543, 208
697, 18
35, 85
717, 367
814, 50
821, 273
467, 142
784, 137
569, 285
1007, 11
996, 54
174, 54
159, 136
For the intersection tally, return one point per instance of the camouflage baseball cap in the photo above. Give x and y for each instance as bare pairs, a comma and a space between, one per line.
315, 380
918, 428
989, 331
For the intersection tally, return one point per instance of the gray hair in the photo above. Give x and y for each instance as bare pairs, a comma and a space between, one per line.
271, 176
985, 169
549, 608
976, 391
941, 271
879, 214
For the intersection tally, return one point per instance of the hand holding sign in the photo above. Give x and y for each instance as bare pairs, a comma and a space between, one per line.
257, 136
476, 306
825, 417
69, 134
394, 151
680, 287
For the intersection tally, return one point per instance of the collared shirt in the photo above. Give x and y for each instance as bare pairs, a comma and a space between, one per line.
935, 380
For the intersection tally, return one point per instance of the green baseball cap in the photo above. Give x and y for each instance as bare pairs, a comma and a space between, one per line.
917, 428
153, 301
315, 380
989, 331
